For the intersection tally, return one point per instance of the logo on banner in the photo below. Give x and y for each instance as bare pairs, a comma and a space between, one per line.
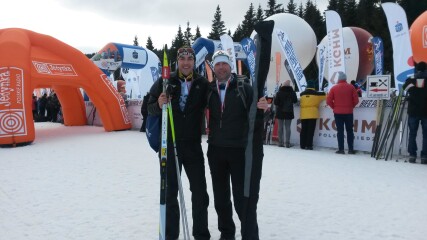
54, 69
135, 55
425, 36
398, 27
12, 122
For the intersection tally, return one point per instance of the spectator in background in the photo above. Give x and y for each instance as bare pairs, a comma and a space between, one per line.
417, 111
342, 98
42, 102
309, 113
357, 87
34, 107
144, 111
284, 101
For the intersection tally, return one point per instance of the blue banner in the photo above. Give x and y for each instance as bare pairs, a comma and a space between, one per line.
377, 45
249, 48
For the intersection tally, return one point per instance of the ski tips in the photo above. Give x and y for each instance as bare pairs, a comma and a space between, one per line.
165, 68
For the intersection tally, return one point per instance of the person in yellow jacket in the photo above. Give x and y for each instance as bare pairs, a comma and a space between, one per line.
309, 113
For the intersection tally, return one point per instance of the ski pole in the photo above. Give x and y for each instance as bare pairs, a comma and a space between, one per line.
178, 175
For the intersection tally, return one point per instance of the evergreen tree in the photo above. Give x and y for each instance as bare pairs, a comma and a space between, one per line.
178, 42
248, 23
149, 44
300, 11
259, 14
273, 8
135, 41
314, 18
413, 9
341, 8
350, 18
238, 34
197, 35
218, 27
291, 7
187, 35
333, 5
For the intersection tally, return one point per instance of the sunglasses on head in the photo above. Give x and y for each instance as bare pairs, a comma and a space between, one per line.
185, 51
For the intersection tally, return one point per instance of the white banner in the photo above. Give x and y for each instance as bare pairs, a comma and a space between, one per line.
336, 58
228, 46
402, 51
291, 60
135, 56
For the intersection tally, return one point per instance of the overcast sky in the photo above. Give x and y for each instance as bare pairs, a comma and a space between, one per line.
88, 25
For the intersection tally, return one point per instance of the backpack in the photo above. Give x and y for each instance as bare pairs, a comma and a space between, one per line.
152, 131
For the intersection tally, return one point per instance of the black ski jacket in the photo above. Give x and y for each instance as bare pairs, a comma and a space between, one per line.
417, 95
229, 127
187, 123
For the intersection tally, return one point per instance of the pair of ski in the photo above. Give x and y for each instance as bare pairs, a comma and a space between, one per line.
168, 115
385, 135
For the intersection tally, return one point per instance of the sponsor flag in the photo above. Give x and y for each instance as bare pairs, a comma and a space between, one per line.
248, 46
377, 44
336, 59
228, 46
294, 67
402, 51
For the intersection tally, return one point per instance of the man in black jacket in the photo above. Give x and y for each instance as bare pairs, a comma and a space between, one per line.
417, 111
187, 91
228, 104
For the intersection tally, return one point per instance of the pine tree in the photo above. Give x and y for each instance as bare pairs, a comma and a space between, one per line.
314, 18
291, 7
413, 9
135, 41
333, 5
259, 14
178, 42
350, 18
300, 11
273, 8
238, 34
218, 27
197, 35
187, 35
248, 23
149, 44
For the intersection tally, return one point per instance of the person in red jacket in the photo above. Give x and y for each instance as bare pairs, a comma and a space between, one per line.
342, 98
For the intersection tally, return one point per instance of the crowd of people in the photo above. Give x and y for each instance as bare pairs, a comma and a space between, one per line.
46, 108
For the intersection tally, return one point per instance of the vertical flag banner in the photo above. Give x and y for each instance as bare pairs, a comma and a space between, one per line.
402, 51
336, 58
295, 67
249, 48
228, 46
278, 70
378, 47
322, 60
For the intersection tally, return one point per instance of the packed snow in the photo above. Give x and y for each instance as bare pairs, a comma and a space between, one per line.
87, 184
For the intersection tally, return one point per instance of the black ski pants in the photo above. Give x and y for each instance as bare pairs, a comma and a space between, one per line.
190, 155
307, 133
227, 163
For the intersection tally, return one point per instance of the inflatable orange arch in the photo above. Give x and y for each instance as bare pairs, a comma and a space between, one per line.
30, 60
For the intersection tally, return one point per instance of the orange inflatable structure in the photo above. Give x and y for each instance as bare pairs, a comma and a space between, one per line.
419, 38
30, 60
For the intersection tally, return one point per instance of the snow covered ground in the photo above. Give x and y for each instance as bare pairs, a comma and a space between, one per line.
87, 184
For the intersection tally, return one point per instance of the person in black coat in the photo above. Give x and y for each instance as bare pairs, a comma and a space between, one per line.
144, 111
229, 104
187, 94
284, 101
417, 111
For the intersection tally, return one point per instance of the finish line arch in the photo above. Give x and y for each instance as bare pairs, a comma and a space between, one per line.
31, 60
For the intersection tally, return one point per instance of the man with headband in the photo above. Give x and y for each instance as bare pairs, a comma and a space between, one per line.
187, 92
